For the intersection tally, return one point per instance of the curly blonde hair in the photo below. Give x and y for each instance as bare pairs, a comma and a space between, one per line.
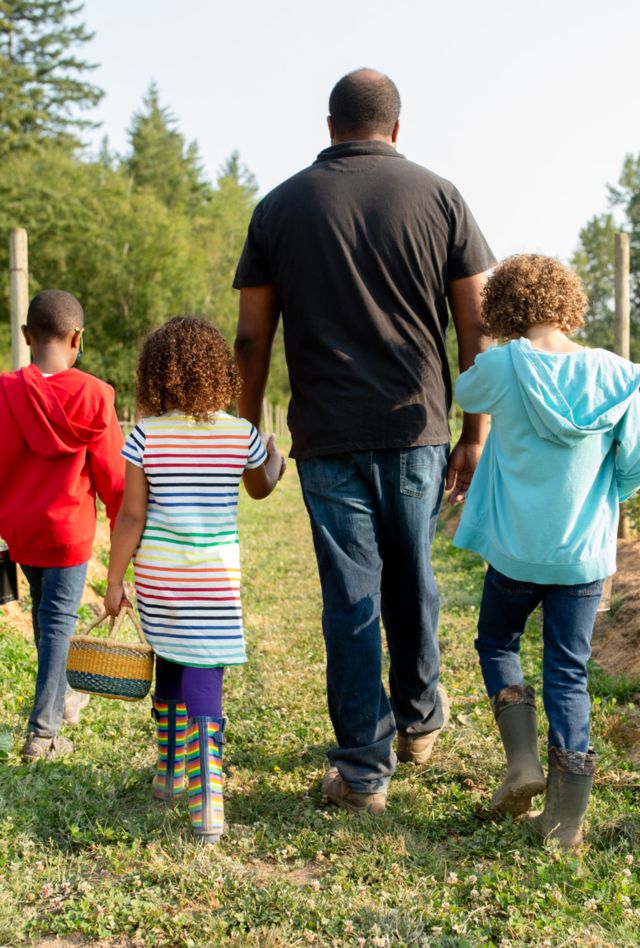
186, 366
527, 289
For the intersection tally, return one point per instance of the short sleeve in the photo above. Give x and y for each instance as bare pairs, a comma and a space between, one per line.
133, 450
253, 267
468, 251
257, 454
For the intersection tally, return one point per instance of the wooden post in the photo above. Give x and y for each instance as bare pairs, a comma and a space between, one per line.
622, 331
19, 281
622, 318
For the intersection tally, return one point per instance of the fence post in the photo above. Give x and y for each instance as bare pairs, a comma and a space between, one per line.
19, 285
622, 330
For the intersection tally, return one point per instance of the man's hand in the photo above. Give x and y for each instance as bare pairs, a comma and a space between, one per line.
275, 460
463, 461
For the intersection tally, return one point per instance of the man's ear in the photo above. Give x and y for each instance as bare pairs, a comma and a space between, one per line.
25, 333
75, 339
395, 132
330, 127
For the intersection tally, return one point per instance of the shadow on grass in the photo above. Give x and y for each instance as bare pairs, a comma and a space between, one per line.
75, 806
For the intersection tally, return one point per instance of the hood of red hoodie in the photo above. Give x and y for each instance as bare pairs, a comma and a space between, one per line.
60, 414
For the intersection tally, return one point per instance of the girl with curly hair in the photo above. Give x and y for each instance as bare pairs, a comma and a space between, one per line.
185, 459
563, 451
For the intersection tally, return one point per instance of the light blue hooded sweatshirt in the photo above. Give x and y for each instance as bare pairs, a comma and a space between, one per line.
563, 450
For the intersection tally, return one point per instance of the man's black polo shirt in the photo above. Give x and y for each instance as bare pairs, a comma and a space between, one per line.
361, 246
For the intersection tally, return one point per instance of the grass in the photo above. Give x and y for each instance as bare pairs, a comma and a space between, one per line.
85, 851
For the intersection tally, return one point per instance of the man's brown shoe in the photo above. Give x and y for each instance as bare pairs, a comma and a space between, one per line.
417, 748
338, 791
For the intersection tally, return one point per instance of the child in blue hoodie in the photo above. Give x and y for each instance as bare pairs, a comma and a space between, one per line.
542, 509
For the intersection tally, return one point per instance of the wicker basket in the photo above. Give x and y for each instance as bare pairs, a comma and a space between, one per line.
107, 667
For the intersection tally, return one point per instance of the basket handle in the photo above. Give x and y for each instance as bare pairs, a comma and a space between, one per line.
115, 622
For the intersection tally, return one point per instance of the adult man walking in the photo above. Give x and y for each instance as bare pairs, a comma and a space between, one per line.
360, 253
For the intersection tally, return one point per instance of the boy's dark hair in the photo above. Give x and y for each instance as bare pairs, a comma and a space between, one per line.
527, 289
363, 103
53, 314
186, 366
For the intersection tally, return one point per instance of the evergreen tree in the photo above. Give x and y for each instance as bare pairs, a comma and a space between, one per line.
161, 160
594, 259
42, 82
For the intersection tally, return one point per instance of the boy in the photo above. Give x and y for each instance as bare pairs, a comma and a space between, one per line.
61, 445
564, 449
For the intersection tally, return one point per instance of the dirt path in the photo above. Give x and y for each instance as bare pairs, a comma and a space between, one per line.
616, 641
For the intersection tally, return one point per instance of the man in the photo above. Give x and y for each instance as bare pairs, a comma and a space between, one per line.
360, 253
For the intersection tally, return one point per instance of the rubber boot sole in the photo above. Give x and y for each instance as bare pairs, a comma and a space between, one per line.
518, 800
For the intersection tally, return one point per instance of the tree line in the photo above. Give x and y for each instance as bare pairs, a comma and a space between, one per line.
144, 235
137, 237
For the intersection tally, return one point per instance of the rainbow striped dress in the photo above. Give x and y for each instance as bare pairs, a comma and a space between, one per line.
187, 566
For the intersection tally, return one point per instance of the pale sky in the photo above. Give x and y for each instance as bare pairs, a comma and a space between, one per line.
528, 107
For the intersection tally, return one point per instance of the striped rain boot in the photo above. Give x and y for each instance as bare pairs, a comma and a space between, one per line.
205, 737
171, 732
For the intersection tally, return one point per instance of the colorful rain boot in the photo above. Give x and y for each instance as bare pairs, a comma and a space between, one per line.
205, 737
171, 730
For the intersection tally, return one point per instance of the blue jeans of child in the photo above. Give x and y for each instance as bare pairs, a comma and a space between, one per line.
373, 516
569, 613
56, 593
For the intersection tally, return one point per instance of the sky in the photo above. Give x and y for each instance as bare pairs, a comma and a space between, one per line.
528, 107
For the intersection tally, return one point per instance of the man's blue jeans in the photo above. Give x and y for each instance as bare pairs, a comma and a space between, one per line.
569, 613
373, 517
56, 593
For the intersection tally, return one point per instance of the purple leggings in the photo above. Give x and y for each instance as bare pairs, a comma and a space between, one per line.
199, 688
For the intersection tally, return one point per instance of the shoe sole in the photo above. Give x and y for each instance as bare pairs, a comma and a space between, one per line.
519, 800
352, 808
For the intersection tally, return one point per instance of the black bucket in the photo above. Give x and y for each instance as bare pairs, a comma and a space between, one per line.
8, 576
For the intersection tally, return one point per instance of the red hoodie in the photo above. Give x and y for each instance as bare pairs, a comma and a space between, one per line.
60, 444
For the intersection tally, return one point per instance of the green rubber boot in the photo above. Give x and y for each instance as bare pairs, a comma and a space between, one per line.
515, 712
569, 786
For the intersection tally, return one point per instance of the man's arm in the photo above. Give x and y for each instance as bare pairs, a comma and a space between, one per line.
464, 301
257, 324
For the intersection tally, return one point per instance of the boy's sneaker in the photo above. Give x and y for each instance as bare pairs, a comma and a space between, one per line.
337, 790
417, 748
44, 748
74, 702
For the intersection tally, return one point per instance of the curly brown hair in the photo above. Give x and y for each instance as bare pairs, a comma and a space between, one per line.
527, 289
186, 366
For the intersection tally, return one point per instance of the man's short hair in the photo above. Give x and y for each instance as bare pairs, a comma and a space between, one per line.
53, 314
364, 102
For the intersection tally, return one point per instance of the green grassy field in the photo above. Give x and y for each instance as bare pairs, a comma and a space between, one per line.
85, 853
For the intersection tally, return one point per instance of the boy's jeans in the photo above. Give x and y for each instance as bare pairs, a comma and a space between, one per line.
56, 592
373, 516
569, 613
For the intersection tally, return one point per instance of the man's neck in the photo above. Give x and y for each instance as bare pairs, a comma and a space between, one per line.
374, 137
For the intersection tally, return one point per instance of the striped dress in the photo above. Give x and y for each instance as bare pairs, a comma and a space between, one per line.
187, 566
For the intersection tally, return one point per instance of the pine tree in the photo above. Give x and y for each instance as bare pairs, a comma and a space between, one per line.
42, 84
595, 255
161, 160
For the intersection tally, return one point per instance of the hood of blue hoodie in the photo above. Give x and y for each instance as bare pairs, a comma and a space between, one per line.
560, 406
